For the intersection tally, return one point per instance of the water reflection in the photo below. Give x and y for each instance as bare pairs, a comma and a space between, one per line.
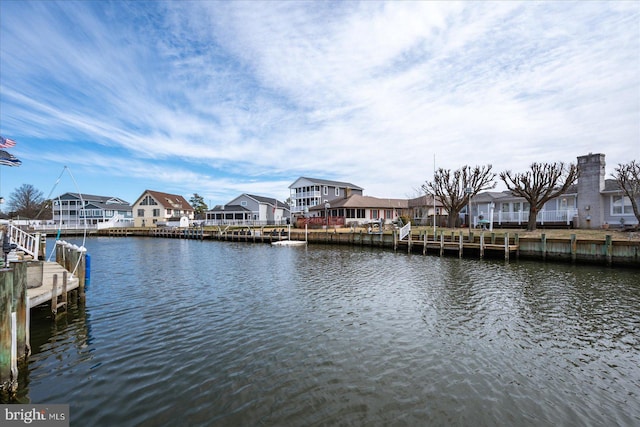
222, 333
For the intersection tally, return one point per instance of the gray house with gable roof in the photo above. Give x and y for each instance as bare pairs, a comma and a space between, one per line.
309, 192
249, 209
72, 210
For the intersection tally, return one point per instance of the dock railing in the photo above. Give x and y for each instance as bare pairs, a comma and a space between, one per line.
29, 243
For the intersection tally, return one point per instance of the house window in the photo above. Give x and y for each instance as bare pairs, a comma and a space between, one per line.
621, 205
156, 212
243, 203
388, 213
148, 201
505, 207
337, 191
375, 214
169, 212
360, 213
325, 190
516, 206
140, 212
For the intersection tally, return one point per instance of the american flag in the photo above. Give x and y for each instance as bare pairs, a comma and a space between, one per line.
6, 142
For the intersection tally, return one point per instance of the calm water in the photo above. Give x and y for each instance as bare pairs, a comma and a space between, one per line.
190, 333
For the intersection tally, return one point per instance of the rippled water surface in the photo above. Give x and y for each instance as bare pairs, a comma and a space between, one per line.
179, 332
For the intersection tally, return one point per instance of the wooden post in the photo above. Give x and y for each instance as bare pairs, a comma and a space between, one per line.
482, 244
461, 246
6, 301
54, 296
64, 291
21, 309
544, 246
441, 243
409, 242
493, 238
395, 240
574, 248
506, 246
471, 238
609, 245
424, 243
81, 272
516, 241
59, 252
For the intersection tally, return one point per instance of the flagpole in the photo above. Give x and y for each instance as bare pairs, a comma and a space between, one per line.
434, 197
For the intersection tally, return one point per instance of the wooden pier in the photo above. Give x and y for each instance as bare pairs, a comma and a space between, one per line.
27, 284
474, 243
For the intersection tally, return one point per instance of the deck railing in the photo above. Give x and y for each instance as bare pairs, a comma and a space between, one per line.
29, 243
545, 216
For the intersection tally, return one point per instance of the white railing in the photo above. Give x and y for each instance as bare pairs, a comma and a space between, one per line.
29, 243
545, 216
247, 222
115, 221
404, 231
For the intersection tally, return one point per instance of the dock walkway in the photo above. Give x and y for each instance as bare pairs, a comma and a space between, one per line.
45, 292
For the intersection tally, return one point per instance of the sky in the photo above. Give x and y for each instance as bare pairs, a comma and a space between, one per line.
223, 98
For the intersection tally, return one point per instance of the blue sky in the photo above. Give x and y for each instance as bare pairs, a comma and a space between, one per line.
224, 98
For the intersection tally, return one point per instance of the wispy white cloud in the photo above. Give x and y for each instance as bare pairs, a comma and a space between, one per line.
238, 97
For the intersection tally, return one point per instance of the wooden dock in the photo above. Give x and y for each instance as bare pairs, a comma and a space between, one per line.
27, 284
52, 274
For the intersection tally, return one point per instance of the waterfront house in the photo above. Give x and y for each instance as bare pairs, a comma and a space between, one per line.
154, 208
75, 210
358, 210
422, 210
593, 202
306, 193
249, 209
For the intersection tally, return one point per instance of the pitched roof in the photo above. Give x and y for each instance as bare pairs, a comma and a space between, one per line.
328, 182
612, 186
424, 200
268, 201
94, 198
358, 201
168, 201
229, 208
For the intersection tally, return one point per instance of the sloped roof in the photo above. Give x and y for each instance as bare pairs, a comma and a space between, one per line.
328, 182
611, 186
424, 200
268, 201
93, 198
229, 208
358, 201
166, 200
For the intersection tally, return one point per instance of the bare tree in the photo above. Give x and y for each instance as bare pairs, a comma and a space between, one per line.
542, 183
628, 177
454, 190
26, 201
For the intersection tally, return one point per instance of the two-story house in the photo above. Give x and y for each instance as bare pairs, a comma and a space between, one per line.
249, 209
73, 210
306, 193
155, 208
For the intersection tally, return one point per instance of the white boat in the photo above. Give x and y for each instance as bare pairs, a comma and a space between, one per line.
290, 242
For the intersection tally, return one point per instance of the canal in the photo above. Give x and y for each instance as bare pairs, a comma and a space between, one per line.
208, 333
